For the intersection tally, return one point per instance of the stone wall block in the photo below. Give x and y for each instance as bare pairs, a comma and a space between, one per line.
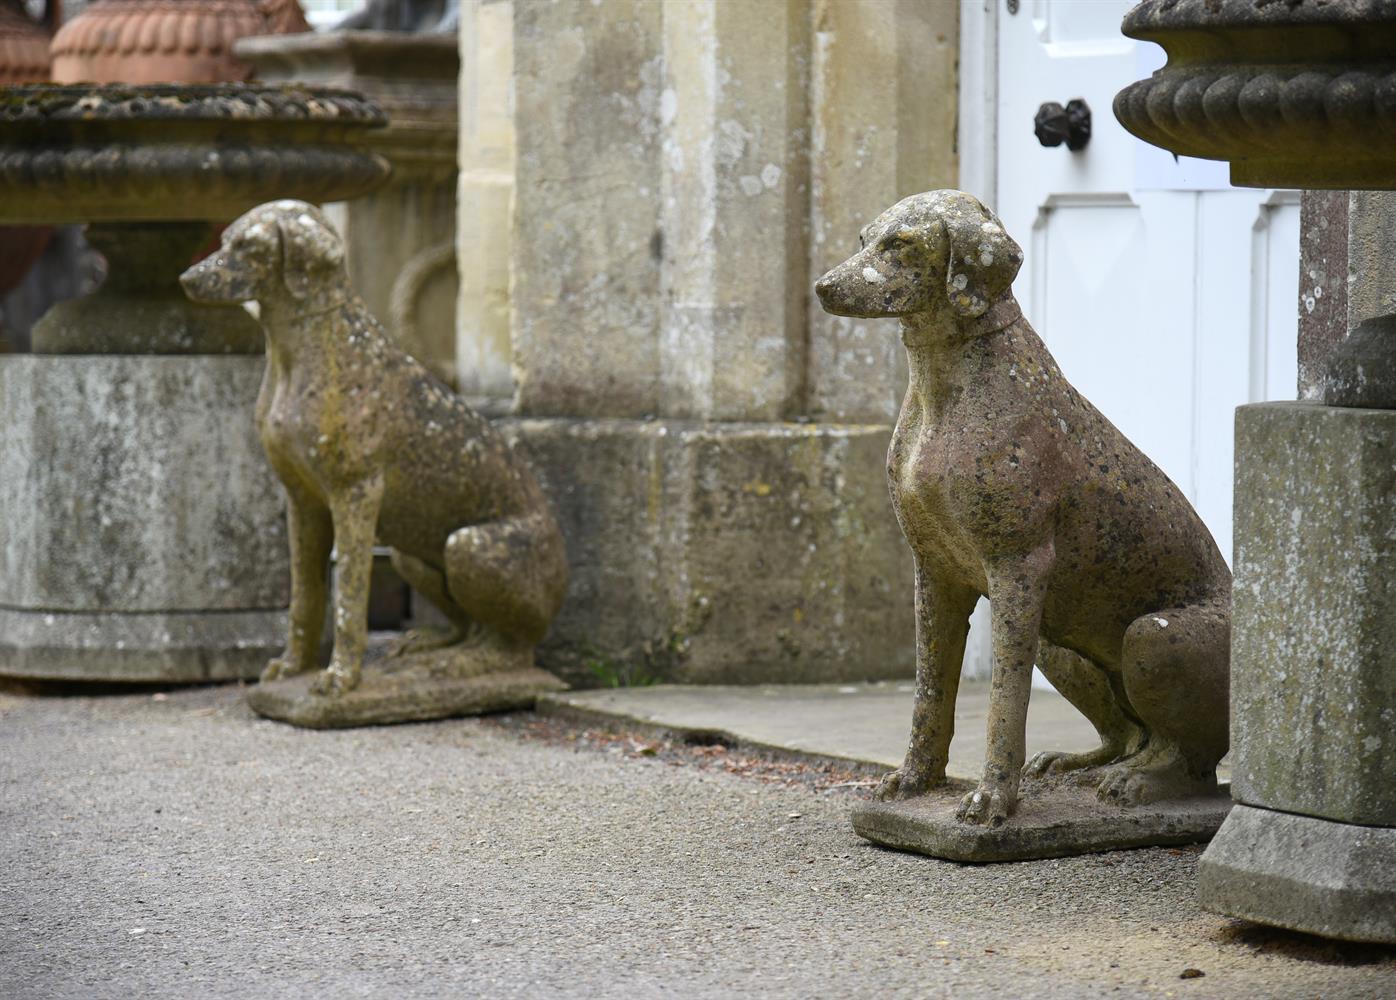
484, 353
1314, 646
883, 106
587, 244
735, 190
721, 552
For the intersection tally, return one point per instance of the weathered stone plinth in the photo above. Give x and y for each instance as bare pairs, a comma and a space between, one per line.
1313, 674
718, 552
1304, 873
415, 687
1052, 821
117, 563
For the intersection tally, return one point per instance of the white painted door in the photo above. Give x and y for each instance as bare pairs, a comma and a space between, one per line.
1168, 297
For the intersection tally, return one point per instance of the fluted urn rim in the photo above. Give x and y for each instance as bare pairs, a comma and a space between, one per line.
73, 153
1291, 94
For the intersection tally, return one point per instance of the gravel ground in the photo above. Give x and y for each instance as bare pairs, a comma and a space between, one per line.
173, 845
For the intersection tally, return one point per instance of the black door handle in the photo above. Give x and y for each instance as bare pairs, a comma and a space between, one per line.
1054, 124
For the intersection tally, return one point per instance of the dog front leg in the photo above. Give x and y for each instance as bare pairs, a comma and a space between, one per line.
1017, 591
311, 536
942, 624
355, 511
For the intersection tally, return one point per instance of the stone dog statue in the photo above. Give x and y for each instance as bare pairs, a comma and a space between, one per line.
368, 442
1009, 484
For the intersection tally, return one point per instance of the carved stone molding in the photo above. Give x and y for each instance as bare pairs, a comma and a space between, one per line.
1292, 94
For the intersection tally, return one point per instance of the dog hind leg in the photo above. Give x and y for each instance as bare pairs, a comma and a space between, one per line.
1175, 665
430, 582
1087, 686
509, 576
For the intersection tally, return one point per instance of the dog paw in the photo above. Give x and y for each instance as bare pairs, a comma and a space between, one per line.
334, 681
282, 666
986, 806
906, 783
1043, 764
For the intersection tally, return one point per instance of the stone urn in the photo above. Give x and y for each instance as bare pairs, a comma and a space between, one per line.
1304, 95
144, 532
164, 41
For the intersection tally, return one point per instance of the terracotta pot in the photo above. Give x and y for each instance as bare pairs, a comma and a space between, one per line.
23, 46
166, 41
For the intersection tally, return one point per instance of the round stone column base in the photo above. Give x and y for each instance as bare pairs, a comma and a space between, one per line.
121, 647
1307, 874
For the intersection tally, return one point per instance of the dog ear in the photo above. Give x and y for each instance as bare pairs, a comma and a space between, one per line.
981, 258
311, 251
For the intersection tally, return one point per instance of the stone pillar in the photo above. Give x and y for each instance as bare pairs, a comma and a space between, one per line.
1311, 842
714, 447
1323, 285
401, 239
485, 194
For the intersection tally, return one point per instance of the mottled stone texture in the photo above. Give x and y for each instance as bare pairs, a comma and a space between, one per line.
674, 169
1314, 662
1311, 875
679, 170
875, 136
586, 239
1323, 285
103, 518
722, 552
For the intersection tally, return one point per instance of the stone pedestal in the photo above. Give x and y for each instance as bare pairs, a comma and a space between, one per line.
144, 534
680, 174
118, 563
1313, 675
402, 237
723, 553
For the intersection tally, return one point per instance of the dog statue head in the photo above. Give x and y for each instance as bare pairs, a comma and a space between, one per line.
933, 246
283, 250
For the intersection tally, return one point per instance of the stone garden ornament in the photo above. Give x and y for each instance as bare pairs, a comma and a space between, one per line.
1009, 484
370, 445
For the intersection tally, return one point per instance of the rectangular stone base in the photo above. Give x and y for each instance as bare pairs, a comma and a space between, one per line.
125, 647
724, 553
442, 684
1052, 822
1307, 874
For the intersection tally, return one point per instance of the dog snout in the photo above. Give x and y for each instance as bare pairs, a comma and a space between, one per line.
214, 280
196, 282
852, 289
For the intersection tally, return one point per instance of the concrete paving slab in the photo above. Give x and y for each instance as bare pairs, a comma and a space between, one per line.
865, 723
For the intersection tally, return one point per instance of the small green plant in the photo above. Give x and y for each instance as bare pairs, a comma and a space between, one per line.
617, 673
